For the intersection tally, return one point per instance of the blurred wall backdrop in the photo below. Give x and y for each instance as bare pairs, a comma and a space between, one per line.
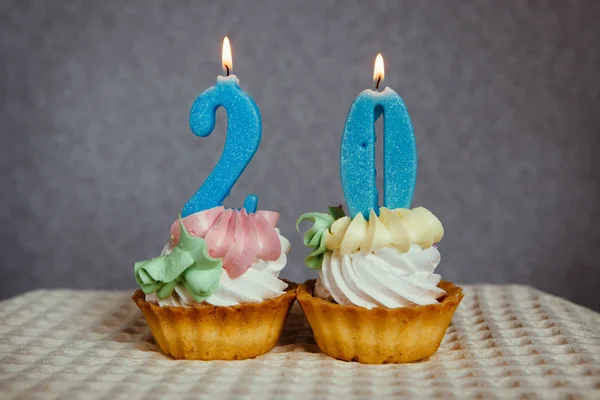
98, 159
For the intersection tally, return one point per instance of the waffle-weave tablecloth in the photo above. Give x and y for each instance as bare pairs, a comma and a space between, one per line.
505, 342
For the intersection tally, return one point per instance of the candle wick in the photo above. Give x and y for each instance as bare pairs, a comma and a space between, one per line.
227, 69
378, 82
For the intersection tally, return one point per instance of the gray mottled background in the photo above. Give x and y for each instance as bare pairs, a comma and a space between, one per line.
97, 156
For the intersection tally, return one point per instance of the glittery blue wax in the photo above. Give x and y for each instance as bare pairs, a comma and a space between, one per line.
244, 130
357, 155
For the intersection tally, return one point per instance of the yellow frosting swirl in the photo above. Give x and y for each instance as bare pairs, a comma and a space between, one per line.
399, 228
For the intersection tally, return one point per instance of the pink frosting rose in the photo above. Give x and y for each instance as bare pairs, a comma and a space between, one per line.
235, 236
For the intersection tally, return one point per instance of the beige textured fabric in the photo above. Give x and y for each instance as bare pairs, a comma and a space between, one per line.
505, 342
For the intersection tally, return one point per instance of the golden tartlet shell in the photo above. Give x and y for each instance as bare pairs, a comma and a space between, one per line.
378, 335
207, 332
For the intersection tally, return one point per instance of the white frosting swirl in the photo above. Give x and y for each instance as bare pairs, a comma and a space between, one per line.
385, 278
259, 283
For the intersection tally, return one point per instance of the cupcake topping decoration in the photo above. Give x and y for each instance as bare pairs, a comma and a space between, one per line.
205, 244
239, 238
399, 228
189, 264
315, 237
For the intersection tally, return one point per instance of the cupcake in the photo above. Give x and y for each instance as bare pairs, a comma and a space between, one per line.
214, 292
377, 299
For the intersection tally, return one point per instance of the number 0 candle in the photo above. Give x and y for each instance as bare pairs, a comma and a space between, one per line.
357, 158
243, 137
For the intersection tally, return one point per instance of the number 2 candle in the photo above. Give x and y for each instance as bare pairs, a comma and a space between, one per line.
243, 137
357, 158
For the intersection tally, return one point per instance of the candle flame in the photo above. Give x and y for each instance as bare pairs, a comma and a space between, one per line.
378, 71
226, 58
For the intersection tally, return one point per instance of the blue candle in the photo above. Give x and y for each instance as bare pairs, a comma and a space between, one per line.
244, 131
357, 158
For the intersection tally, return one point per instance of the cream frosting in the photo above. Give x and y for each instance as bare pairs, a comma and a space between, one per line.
400, 228
259, 282
386, 278
234, 235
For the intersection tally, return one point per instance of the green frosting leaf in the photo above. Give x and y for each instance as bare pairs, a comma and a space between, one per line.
315, 237
189, 263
